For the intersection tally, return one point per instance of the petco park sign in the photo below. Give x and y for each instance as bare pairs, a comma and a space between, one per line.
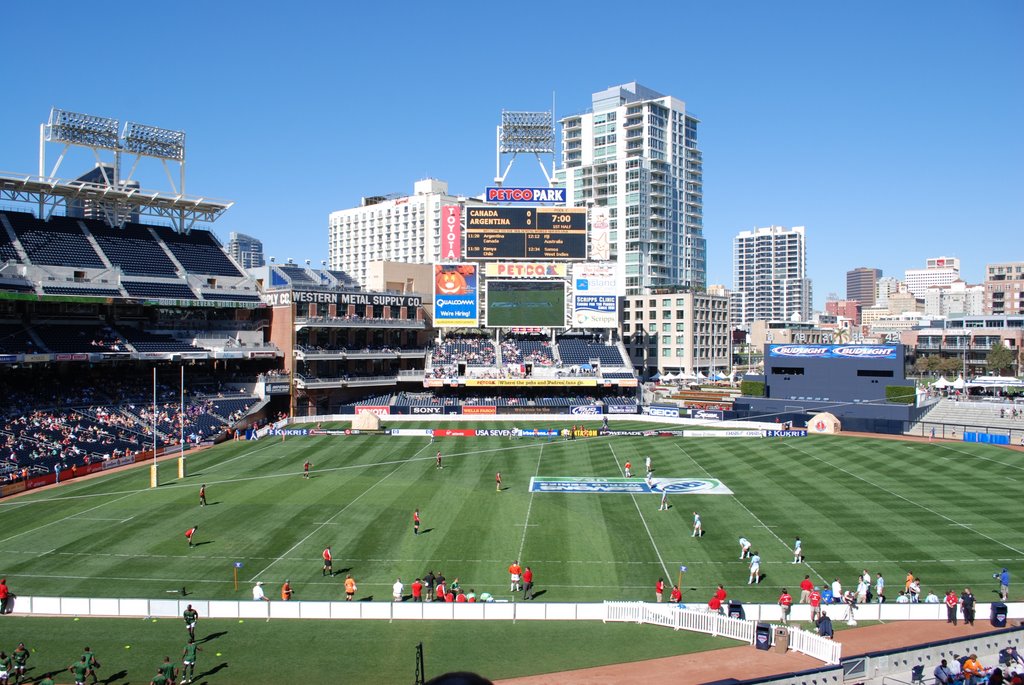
555, 195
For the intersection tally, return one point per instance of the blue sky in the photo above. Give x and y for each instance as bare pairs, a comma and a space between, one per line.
892, 130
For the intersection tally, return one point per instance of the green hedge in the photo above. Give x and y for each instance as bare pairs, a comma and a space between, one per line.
752, 388
900, 394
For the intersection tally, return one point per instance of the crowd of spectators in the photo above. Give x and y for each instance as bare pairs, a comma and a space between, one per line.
473, 351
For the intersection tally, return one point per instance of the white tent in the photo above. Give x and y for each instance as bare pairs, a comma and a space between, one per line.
941, 384
657, 376
668, 376
701, 376
959, 383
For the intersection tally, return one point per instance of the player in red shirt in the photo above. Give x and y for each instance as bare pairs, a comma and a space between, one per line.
815, 599
677, 595
417, 590
190, 533
202, 495
715, 604
328, 561
720, 594
514, 571
305, 469
805, 589
438, 466
461, 597
659, 589
416, 522
785, 601
497, 481
527, 583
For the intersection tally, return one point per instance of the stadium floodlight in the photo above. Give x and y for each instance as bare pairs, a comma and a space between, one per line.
527, 132
150, 141
82, 129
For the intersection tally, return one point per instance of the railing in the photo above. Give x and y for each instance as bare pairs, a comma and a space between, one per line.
814, 646
671, 616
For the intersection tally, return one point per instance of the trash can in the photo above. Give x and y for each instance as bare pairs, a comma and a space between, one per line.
763, 636
998, 617
736, 611
781, 639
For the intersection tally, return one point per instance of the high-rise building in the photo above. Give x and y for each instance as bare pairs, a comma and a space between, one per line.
245, 250
1004, 288
677, 331
937, 271
955, 299
847, 309
770, 280
887, 285
861, 284
633, 158
393, 228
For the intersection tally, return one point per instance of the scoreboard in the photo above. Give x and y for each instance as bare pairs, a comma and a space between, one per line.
526, 233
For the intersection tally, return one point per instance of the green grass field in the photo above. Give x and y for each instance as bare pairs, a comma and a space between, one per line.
947, 512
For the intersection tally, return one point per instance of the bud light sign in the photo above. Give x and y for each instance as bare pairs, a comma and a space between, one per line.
834, 351
553, 195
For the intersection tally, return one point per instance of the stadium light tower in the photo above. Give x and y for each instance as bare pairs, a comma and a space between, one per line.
159, 143
75, 128
526, 132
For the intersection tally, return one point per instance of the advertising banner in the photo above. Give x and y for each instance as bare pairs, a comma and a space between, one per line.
451, 233
520, 409
595, 296
535, 382
589, 409
706, 414
834, 351
404, 432
600, 235
539, 432
454, 433
379, 410
662, 410
621, 408
632, 486
426, 410
526, 270
455, 295
496, 194
478, 409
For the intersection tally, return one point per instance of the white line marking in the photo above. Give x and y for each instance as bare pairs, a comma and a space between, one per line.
70, 516
339, 513
978, 456
752, 514
905, 499
529, 507
657, 551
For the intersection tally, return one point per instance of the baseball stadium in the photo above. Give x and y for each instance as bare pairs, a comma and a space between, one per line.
466, 474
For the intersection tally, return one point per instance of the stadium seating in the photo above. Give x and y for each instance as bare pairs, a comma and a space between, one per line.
57, 242
14, 339
158, 291
198, 251
230, 296
133, 249
576, 351
8, 253
515, 350
617, 374
80, 338
143, 341
471, 350
424, 399
296, 275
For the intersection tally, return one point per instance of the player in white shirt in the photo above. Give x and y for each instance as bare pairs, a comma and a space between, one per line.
744, 548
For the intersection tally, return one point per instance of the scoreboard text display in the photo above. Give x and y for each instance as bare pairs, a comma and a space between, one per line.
526, 233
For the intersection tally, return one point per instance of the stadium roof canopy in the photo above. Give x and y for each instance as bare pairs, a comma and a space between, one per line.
48, 193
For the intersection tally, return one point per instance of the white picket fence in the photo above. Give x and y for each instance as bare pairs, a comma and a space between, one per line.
719, 625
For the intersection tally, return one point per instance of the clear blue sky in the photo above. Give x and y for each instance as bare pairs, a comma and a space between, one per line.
892, 130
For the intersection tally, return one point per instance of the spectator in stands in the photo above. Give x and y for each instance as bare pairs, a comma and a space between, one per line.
942, 673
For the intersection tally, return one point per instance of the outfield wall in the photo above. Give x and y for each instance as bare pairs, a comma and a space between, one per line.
441, 611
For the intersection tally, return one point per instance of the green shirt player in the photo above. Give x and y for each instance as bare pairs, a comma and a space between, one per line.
20, 656
159, 679
188, 661
91, 664
167, 669
80, 669
47, 680
191, 616
6, 666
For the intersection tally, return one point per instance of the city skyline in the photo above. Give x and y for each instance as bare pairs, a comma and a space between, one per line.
887, 155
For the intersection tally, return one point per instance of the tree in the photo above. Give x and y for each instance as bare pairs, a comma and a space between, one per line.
999, 359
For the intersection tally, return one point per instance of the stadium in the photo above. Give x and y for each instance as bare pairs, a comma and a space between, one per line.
142, 365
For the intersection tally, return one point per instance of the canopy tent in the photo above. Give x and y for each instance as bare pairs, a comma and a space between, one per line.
657, 376
996, 382
941, 384
959, 383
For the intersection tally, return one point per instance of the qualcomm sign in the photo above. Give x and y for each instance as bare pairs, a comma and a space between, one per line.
555, 195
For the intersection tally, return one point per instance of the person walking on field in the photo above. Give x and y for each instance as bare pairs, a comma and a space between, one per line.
438, 464
416, 522
659, 589
188, 660
202, 495
497, 481
286, 590
328, 562
191, 617
350, 588
698, 531
305, 469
